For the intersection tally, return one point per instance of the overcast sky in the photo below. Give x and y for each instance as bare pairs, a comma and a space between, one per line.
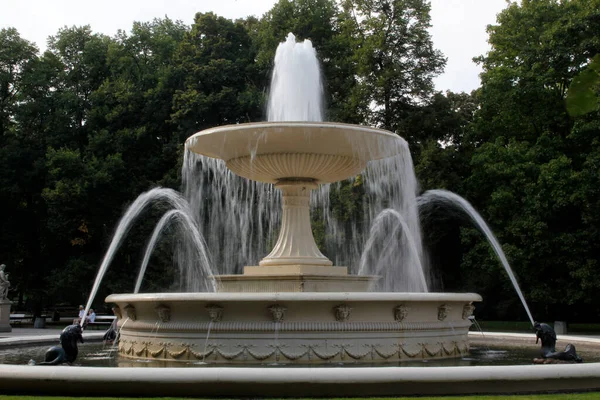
458, 25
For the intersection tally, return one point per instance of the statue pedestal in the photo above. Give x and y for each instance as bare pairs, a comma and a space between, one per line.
560, 327
5, 316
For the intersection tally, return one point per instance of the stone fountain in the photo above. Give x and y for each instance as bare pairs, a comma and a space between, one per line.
295, 307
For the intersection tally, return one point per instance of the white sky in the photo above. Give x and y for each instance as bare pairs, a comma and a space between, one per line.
458, 25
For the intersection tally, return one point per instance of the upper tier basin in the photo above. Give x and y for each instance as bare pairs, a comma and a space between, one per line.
270, 151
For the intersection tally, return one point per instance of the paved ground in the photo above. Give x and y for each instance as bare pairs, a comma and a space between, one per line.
31, 335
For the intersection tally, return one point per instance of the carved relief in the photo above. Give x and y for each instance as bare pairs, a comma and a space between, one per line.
468, 310
277, 312
130, 312
215, 312
117, 311
342, 312
164, 312
443, 311
400, 312
307, 351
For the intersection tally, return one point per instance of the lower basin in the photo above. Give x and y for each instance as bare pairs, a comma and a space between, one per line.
483, 352
497, 364
293, 328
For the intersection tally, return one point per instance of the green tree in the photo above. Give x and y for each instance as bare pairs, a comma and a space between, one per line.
395, 57
532, 168
130, 146
22, 79
218, 74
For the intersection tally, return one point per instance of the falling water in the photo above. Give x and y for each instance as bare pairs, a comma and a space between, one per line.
389, 240
389, 185
453, 200
169, 196
210, 324
296, 89
192, 278
237, 216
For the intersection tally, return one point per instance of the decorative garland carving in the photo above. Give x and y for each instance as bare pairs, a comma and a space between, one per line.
143, 350
202, 356
259, 356
322, 355
177, 354
383, 355
409, 354
230, 356
454, 349
342, 350
431, 353
291, 356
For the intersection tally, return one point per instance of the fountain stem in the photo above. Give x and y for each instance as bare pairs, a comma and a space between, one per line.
296, 244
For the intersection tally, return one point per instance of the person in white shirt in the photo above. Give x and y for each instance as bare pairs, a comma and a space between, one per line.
80, 317
91, 316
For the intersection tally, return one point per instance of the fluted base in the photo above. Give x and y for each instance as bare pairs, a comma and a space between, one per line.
296, 244
5, 316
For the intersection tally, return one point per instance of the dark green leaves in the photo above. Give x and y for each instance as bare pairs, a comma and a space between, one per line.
582, 97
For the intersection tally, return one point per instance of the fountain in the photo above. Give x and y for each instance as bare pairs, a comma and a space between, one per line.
295, 307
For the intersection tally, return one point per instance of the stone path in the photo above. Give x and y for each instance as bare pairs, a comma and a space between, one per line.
20, 336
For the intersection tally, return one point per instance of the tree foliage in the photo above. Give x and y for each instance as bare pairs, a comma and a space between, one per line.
532, 173
95, 120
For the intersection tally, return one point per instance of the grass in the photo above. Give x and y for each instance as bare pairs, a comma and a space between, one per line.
560, 396
525, 327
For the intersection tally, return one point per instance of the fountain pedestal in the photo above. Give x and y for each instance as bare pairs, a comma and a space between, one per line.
5, 316
295, 264
296, 243
295, 278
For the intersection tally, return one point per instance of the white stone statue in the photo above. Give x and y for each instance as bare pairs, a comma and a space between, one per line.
4, 283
